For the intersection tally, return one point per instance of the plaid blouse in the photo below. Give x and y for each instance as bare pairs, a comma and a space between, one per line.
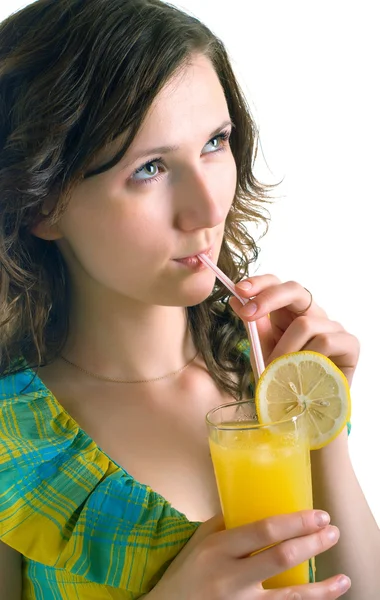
85, 528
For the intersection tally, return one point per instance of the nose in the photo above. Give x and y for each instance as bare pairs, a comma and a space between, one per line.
199, 201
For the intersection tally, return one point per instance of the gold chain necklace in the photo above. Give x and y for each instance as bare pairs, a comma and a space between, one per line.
102, 378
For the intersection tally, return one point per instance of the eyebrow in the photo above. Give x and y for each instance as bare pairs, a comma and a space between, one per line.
167, 149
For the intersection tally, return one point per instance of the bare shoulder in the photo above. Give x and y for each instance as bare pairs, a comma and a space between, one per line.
10, 573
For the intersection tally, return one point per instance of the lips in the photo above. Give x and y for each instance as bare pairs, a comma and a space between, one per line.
193, 262
208, 252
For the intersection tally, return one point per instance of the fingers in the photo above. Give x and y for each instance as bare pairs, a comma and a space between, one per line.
301, 333
232, 563
287, 554
286, 332
269, 294
341, 347
331, 588
243, 541
323, 336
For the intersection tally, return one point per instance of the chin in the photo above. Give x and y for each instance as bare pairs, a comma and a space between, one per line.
187, 293
197, 292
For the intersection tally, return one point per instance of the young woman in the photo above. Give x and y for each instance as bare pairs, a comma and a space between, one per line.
126, 149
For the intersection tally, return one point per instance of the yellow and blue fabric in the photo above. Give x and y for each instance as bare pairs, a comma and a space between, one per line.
85, 528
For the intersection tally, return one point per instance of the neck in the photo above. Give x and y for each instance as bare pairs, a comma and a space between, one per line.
128, 340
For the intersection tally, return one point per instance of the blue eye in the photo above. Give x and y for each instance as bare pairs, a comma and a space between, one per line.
152, 170
148, 171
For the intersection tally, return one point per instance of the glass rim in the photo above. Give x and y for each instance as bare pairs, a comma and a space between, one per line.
252, 427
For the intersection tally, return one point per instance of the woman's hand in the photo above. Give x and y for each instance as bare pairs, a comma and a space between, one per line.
217, 564
294, 323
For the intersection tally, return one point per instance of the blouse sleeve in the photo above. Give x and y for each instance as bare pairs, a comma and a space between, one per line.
65, 504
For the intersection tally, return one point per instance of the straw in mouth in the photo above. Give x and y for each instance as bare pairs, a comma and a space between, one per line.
252, 328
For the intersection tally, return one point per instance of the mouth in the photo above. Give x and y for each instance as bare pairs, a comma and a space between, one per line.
193, 262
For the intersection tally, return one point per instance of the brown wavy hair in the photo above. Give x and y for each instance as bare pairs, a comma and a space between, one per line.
75, 75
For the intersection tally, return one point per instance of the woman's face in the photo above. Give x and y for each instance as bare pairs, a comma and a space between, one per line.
168, 198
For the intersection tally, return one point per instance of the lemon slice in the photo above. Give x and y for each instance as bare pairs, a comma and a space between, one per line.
305, 379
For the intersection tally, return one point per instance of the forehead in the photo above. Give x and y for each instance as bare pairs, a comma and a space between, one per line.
192, 100
191, 103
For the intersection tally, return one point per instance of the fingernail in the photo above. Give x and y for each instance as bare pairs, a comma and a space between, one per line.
248, 309
244, 285
344, 583
332, 533
321, 518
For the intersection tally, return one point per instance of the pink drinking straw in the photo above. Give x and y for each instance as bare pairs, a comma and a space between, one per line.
252, 329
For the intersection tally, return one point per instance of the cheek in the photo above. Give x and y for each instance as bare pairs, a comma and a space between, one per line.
233, 175
112, 243
227, 181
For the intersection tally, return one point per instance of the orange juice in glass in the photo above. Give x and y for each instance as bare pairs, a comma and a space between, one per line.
261, 471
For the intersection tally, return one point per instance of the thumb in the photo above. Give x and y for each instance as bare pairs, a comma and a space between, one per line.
264, 330
213, 525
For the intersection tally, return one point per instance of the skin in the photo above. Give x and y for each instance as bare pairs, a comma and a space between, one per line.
119, 235
119, 239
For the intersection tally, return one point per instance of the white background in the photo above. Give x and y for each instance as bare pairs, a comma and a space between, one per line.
310, 71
